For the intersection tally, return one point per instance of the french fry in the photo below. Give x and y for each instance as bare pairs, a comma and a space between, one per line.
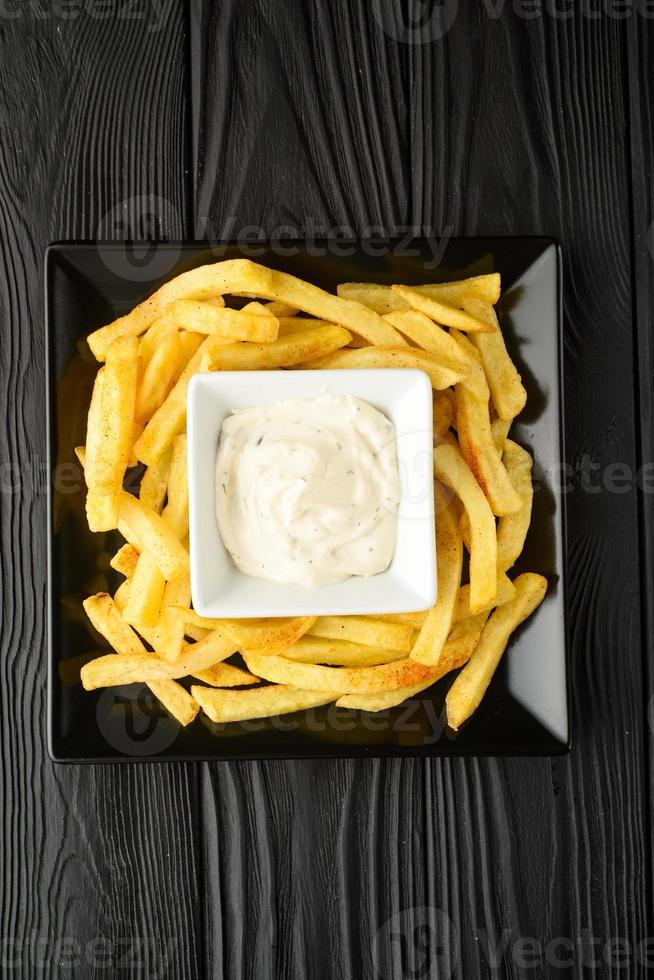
505, 591
512, 529
324, 306
444, 413
485, 288
153, 336
267, 635
121, 595
443, 313
470, 626
125, 559
451, 468
383, 300
170, 418
175, 514
433, 634
169, 632
181, 705
341, 680
214, 648
262, 635
430, 337
295, 324
369, 632
155, 537
224, 675
159, 376
206, 282
507, 391
389, 357
109, 433
478, 449
195, 632
470, 686
454, 654
129, 536
500, 432
190, 342
115, 669
281, 310
145, 594
154, 482
339, 653
414, 619
475, 382
295, 348
106, 618
223, 706
206, 318
106, 615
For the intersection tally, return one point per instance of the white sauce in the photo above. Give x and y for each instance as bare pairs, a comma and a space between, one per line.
307, 492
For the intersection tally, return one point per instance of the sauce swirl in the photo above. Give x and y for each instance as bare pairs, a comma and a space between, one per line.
307, 491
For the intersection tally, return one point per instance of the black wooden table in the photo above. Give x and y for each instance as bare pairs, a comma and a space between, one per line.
159, 119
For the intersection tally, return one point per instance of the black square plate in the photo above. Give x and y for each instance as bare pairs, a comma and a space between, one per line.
525, 710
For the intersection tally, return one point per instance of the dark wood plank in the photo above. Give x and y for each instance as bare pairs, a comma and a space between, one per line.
539, 142
640, 56
312, 112
92, 136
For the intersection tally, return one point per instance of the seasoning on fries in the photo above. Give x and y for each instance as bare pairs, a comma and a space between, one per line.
240, 669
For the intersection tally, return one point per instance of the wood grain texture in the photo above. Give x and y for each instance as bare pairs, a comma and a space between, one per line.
640, 54
99, 865
505, 125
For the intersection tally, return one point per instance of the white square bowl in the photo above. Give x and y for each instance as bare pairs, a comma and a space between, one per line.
219, 589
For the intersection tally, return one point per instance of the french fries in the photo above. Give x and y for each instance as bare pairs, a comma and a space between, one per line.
125, 559
451, 468
262, 702
470, 686
109, 433
360, 629
116, 669
205, 318
159, 375
512, 529
430, 337
506, 388
292, 349
390, 357
478, 449
383, 677
455, 653
448, 316
382, 299
339, 653
367, 663
170, 418
105, 616
434, 631
146, 593
263, 635
155, 536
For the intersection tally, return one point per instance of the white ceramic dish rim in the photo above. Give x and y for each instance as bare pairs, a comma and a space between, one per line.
219, 589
